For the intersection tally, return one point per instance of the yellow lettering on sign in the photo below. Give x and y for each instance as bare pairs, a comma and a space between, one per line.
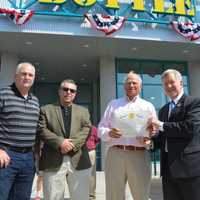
52, 1
112, 4
190, 10
159, 7
179, 7
138, 5
85, 3
182, 7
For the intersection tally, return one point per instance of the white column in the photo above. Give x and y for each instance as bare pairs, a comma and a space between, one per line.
8, 66
107, 89
95, 102
194, 78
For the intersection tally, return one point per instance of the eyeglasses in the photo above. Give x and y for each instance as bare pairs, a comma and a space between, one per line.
68, 89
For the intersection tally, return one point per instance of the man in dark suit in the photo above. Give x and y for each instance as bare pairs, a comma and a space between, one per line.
64, 128
178, 140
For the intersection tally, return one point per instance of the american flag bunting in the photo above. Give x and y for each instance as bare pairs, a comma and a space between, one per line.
105, 23
18, 16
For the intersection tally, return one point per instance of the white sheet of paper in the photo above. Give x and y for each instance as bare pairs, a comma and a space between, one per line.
132, 122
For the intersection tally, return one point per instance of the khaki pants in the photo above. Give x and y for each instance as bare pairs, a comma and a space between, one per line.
129, 166
92, 155
54, 182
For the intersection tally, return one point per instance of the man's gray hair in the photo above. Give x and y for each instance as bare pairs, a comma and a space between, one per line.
68, 81
132, 73
20, 65
176, 74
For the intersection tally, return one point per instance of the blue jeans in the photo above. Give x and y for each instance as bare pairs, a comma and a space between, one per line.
17, 178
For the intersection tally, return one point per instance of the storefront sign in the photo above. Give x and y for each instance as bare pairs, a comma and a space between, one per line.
171, 7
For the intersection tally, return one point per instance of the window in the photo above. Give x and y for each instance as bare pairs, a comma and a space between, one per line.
150, 72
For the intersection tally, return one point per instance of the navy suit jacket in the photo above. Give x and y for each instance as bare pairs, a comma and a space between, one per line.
182, 131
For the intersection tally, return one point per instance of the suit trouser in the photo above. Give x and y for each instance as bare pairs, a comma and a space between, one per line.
55, 182
181, 188
129, 166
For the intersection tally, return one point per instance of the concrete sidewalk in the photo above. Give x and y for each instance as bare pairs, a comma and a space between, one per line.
156, 189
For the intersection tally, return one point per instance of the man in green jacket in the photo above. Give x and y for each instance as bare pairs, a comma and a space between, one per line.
64, 128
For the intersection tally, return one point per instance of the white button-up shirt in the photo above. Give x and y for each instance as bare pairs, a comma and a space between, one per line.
107, 122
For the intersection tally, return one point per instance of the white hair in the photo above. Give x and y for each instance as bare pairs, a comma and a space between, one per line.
20, 65
68, 81
176, 74
132, 73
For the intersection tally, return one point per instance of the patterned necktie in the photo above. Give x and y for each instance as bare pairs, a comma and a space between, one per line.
66, 111
172, 104
67, 121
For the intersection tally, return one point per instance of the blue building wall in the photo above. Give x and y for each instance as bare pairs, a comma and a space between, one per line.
77, 26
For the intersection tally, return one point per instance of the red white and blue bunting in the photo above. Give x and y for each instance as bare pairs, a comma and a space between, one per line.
18, 16
188, 30
106, 23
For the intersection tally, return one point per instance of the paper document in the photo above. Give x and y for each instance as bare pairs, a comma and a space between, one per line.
133, 122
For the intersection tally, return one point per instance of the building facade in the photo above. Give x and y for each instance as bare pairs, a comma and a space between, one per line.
97, 42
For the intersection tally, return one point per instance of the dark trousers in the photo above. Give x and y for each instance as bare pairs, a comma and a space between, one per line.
181, 188
17, 178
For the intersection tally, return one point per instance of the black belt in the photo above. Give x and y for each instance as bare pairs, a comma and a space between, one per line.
17, 149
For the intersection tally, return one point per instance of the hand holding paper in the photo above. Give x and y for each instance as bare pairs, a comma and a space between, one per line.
115, 133
146, 141
153, 125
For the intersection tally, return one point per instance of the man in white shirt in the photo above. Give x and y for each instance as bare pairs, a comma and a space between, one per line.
127, 159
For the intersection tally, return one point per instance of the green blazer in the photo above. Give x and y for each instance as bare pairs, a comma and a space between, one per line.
51, 131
